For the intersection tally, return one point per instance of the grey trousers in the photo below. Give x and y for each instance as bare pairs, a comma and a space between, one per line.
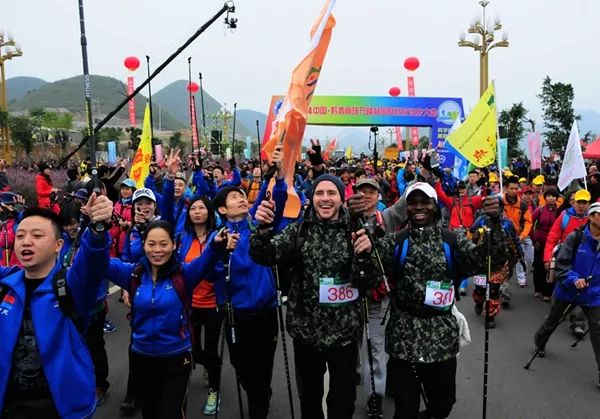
380, 357
552, 319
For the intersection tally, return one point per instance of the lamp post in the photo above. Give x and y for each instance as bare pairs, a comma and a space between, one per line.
484, 42
8, 54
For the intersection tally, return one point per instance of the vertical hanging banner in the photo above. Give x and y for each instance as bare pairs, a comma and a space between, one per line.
195, 143
573, 166
290, 122
131, 105
502, 153
398, 131
534, 143
414, 131
158, 152
112, 152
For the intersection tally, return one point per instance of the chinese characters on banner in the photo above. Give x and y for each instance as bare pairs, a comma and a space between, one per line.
130, 89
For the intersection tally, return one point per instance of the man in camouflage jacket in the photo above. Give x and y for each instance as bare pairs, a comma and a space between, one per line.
324, 310
422, 335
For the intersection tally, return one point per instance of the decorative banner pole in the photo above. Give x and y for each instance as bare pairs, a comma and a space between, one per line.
150, 98
131, 64
233, 135
395, 92
411, 64
192, 88
203, 112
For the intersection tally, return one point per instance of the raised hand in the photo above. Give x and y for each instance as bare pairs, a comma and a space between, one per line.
173, 162
362, 244
265, 213
99, 208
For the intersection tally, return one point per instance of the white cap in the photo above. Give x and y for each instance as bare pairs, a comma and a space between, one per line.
144, 193
594, 208
423, 187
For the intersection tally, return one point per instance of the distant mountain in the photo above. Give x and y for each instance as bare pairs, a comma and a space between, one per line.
248, 117
17, 87
107, 93
590, 121
174, 98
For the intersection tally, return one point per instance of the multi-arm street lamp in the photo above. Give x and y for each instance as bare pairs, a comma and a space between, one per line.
6, 43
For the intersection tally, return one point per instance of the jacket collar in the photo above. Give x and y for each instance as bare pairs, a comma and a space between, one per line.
16, 280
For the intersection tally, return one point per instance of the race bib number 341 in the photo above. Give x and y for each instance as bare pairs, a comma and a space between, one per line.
335, 291
439, 295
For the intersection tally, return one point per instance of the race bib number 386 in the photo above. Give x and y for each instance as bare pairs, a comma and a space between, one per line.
335, 291
439, 295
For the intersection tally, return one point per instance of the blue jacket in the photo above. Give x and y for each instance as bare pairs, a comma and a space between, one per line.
66, 361
571, 265
204, 188
158, 312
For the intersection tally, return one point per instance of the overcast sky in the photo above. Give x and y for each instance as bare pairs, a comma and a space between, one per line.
548, 37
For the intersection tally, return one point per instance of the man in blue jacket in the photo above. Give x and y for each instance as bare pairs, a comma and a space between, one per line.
45, 368
578, 274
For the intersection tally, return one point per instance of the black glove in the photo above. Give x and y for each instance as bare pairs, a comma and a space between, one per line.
316, 158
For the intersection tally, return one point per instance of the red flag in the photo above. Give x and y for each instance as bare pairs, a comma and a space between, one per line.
290, 123
330, 149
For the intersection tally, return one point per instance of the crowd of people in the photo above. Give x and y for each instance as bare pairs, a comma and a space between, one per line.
204, 253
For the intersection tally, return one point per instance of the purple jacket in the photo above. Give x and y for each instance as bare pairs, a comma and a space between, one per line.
543, 218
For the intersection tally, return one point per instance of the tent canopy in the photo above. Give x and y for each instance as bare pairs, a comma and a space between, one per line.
592, 151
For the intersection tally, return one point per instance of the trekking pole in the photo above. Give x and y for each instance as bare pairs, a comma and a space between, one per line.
388, 289
488, 238
222, 352
231, 323
6, 247
387, 311
580, 338
284, 341
369, 343
568, 309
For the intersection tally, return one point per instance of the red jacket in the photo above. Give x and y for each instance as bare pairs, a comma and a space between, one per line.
12, 257
462, 210
116, 232
558, 235
43, 188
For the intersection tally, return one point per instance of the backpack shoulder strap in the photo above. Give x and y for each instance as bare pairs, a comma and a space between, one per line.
450, 239
564, 222
64, 298
579, 236
179, 286
401, 249
3, 291
134, 283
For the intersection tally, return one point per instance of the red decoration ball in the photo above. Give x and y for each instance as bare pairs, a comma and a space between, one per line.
411, 63
132, 63
192, 87
394, 91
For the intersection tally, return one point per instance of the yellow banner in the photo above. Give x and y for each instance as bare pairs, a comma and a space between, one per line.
475, 139
141, 161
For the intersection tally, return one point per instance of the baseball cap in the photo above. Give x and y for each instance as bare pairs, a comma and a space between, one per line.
368, 182
521, 180
582, 195
423, 187
130, 183
527, 189
180, 175
594, 208
538, 180
144, 193
493, 177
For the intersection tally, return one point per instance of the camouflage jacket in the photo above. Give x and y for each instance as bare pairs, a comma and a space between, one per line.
325, 251
415, 332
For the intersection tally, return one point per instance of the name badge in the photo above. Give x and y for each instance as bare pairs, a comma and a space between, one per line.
439, 295
336, 291
480, 280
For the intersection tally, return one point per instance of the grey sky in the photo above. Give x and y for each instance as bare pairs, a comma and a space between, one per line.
366, 54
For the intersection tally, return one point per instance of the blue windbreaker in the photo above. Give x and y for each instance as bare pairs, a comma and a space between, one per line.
65, 358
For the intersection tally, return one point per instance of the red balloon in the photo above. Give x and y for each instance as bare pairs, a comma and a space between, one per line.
132, 63
192, 87
415, 142
411, 63
394, 91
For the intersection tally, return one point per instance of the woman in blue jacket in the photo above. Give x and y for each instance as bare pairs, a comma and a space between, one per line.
160, 289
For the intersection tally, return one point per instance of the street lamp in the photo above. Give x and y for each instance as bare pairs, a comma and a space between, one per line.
6, 42
483, 42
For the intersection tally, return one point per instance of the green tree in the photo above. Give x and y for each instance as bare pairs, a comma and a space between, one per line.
134, 137
557, 105
511, 121
176, 141
22, 132
110, 134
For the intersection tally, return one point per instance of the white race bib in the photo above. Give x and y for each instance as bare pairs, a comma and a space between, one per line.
334, 291
480, 280
439, 295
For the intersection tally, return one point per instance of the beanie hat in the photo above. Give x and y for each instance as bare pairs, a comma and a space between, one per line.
333, 179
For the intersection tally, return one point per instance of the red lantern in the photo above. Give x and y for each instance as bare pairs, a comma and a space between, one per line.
411, 63
192, 87
132, 63
394, 91
415, 142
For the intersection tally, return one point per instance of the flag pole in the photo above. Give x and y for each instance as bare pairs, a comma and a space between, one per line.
203, 111
498, 140
150, 100
233, 135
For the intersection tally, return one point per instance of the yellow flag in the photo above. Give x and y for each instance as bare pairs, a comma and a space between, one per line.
475, 139
349, 152
141, 161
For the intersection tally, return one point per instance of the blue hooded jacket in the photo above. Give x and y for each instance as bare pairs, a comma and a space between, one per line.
65, 358
158, 312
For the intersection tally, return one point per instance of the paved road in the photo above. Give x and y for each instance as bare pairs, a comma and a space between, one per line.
563, 385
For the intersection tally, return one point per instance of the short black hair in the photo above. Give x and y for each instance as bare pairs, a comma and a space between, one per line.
220, 168
471, 172
221, 197
70, 211
162, 224
512, 179
46, 213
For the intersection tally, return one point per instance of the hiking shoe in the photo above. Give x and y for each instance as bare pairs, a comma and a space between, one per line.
374, 406
578, 331
541, 352
546, 299
537, 295
109, 327
100, 396
213, 403
128, 407
462, 292
492, 323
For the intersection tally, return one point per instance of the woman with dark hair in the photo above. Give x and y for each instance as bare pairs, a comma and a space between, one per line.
46, 192
159, 286
192, 241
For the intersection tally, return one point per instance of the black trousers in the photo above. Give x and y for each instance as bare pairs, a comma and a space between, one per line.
34, 409
97, 348
252, 356
161, 385
207, 352
438, 380
539, 274
311, 365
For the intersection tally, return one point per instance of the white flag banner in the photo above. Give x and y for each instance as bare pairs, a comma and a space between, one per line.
573, 166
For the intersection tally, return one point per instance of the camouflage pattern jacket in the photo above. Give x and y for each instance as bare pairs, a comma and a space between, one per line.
415, 332
325, 252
